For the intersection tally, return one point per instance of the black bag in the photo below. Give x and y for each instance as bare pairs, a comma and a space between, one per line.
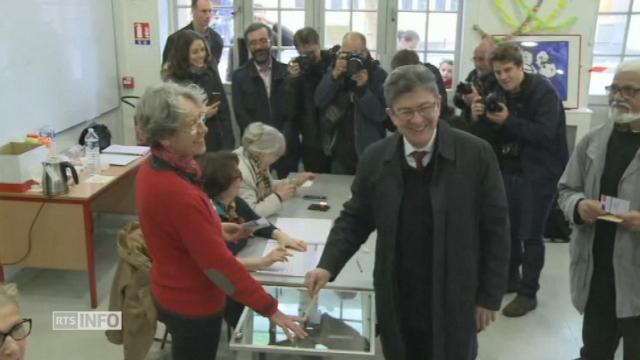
104, 135
557, 228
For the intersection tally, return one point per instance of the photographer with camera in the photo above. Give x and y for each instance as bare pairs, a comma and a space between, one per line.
351, 99
532, 149
480, 80
299, 109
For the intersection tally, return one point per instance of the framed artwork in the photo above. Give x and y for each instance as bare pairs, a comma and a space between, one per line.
557, 57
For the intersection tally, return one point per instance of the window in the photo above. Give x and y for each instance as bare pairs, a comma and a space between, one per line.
429, 27
222, 23
617, 20
342, 16
285, 17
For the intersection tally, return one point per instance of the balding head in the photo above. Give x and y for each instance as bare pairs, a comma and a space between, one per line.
354, 41
481, 56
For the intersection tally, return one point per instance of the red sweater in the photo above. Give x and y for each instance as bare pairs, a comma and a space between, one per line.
184, 236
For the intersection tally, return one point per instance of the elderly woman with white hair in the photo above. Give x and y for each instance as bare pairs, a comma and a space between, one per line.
14, 329
193, 271
263, 145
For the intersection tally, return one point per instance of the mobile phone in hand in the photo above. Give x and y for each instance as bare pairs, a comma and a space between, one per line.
214, 98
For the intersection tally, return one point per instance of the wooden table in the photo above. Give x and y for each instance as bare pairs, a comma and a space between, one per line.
57, 232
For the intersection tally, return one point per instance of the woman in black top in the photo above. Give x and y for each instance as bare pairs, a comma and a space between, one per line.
190, 63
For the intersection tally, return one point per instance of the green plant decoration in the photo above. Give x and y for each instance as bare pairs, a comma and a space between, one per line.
533, 22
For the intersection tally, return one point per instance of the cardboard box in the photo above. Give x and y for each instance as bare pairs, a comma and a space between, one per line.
18, 160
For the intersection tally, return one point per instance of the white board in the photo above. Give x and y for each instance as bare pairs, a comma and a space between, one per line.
57, 64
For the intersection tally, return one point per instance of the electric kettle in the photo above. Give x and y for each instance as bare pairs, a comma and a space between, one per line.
54, 176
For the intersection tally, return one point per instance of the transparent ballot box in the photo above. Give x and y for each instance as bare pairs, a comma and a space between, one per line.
340, 324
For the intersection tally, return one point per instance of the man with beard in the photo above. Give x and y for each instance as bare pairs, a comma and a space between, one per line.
258, 91
352, 101
305, 73
605, 255
202, 12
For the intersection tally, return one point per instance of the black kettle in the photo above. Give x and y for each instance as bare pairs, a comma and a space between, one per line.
54, 176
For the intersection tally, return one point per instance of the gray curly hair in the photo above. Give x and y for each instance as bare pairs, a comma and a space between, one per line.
259, 138
161, 109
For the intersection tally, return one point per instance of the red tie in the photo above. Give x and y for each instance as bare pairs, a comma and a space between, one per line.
418, 156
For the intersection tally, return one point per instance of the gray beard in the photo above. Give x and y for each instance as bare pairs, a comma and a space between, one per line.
622, 118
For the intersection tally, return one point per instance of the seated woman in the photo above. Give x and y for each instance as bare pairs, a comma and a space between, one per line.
263, 145
189, 63
193, 272
222, 180
14, 329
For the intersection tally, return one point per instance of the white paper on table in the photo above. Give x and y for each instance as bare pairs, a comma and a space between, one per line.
298, 265
117, 159
311, 231
307, 183
126, 150
99, 179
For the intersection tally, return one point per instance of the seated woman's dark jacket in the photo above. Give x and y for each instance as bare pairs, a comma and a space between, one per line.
244, 213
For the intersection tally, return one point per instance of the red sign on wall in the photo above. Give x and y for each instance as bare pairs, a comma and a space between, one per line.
142, 33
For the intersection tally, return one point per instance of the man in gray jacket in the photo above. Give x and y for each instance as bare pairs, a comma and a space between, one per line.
605, 254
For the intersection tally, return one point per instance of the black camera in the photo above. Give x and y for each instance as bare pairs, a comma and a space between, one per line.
356, 63
492, 102
304, 61
464, 88
510, 150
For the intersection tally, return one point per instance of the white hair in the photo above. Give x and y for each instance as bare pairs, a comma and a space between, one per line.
8, 294
259, 138
629, 66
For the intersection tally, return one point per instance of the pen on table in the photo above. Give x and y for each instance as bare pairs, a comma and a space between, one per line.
359, 266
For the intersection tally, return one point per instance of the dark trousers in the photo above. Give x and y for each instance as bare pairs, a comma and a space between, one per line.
601, 329
315, 160
529, 206
192, 338
339, 167
418, 344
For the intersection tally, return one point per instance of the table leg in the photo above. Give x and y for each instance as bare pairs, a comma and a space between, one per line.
91, 252
1, 274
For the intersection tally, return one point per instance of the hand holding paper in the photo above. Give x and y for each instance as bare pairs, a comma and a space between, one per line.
631, 220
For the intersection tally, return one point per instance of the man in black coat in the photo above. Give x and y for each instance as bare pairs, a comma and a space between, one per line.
435, 197
257, 91
202, 12
529, 135
305, 73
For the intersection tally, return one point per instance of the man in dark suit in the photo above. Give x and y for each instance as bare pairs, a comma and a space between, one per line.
202, 12
258, 90
436, 199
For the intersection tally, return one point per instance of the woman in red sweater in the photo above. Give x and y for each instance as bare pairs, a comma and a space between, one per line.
193, 271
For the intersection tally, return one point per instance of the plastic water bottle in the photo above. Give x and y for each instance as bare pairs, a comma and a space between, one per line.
92, 150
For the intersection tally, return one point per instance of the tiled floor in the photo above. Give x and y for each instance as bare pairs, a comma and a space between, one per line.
550, 332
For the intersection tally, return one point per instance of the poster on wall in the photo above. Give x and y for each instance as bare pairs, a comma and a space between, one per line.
142, 33
556, 57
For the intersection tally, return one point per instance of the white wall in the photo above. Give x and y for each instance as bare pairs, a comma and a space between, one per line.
140, 61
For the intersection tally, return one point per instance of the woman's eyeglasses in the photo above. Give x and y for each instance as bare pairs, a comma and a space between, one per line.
18, 332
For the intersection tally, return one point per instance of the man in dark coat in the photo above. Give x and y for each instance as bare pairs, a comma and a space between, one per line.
305, 73
352, 102
257, 89
530, 137
202, 12
435, 197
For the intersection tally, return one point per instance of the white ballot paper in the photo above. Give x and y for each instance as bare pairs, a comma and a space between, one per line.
311, 231
614, 205
298, 265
